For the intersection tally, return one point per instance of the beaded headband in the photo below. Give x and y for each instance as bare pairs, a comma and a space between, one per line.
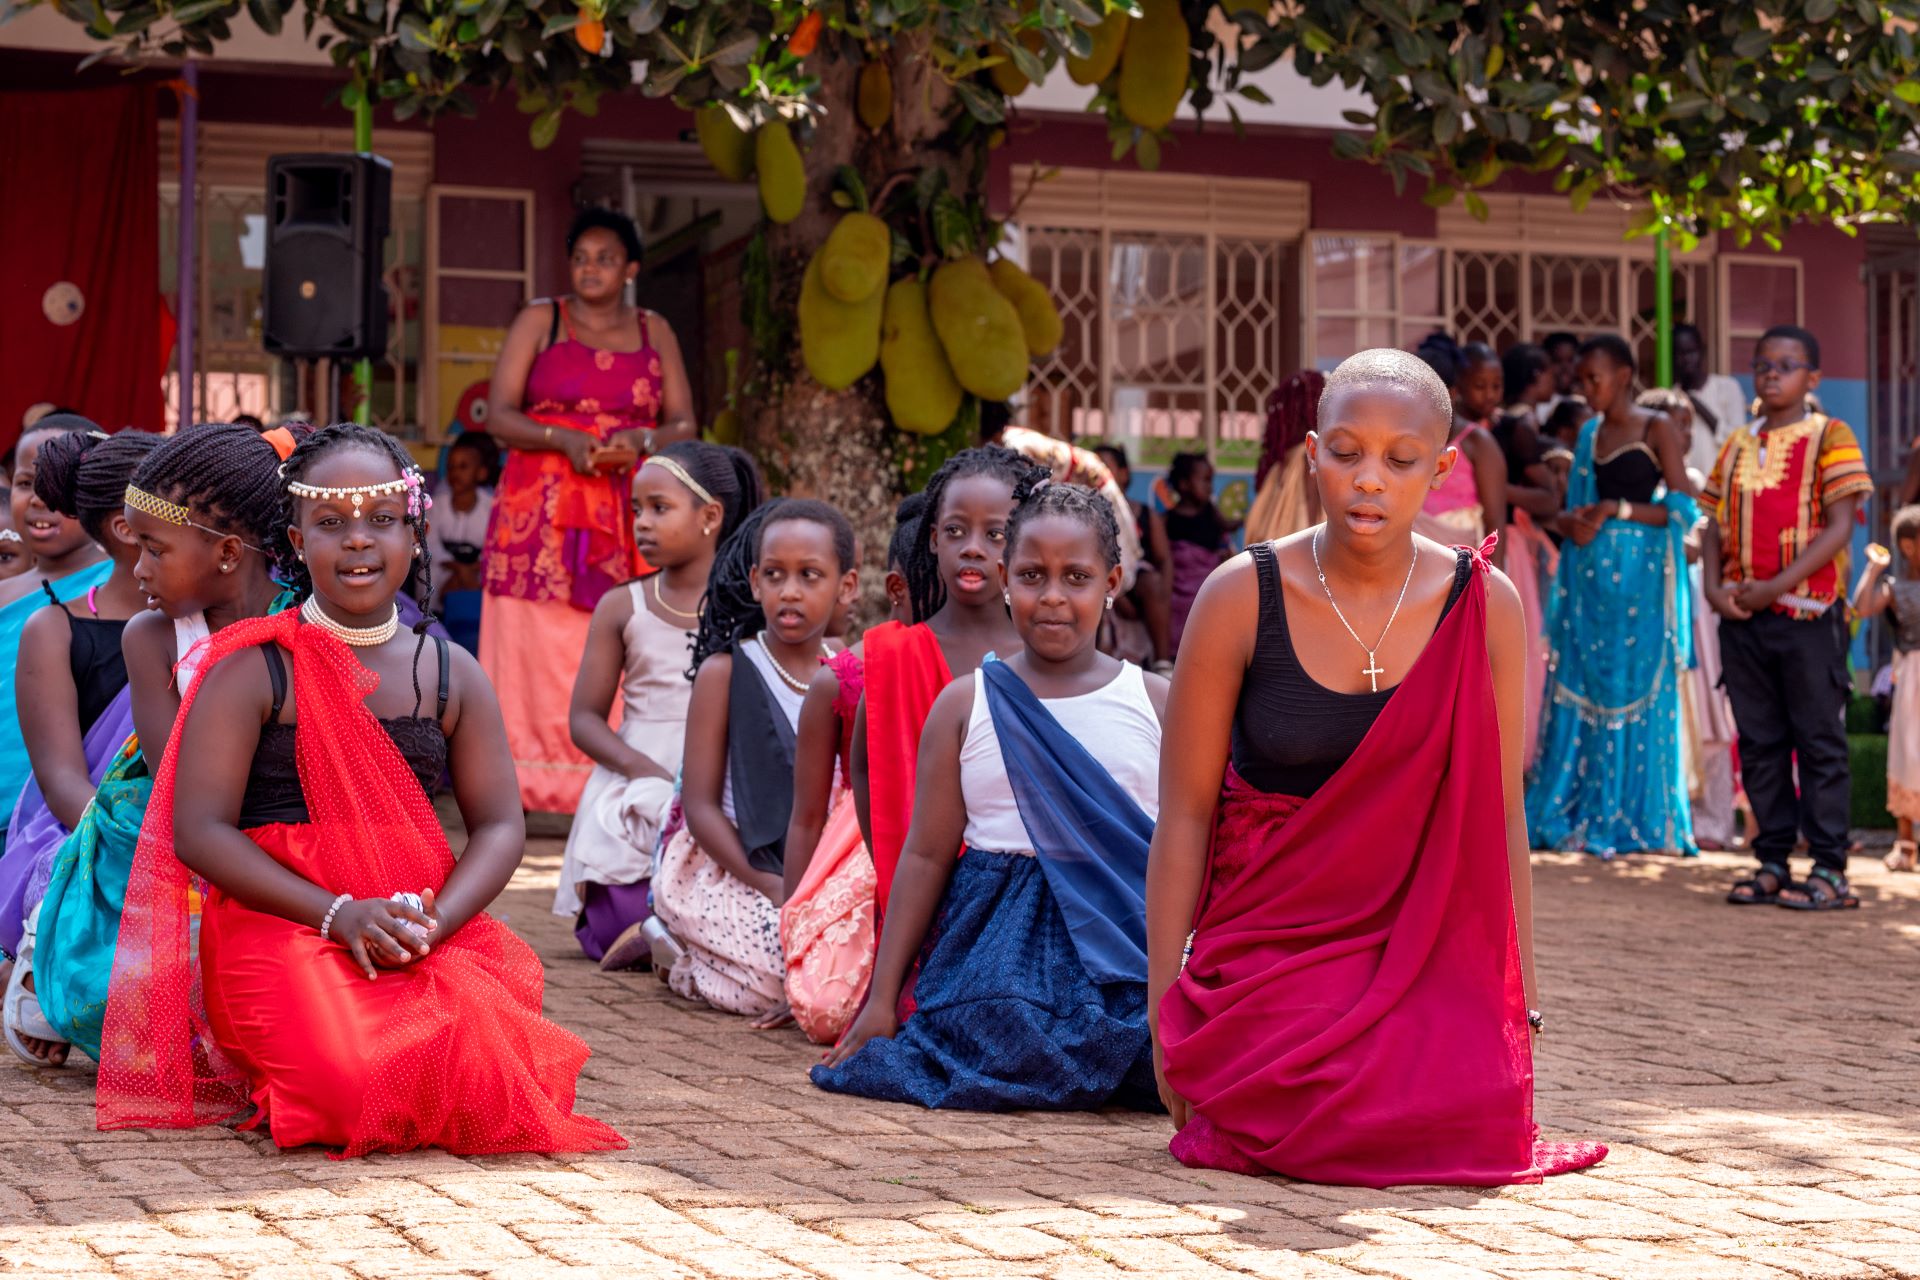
173, 513
157, 507
679, 473
359, 493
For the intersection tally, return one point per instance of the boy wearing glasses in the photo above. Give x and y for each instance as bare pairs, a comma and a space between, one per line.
1783, 494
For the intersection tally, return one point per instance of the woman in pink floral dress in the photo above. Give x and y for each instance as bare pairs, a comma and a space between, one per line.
585, 388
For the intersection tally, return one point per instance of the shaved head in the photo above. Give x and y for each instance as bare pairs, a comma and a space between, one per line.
1390, 369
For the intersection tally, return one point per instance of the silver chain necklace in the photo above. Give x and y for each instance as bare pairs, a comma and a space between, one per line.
1373, 670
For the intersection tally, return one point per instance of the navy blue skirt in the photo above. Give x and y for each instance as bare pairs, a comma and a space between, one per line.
1007, 1017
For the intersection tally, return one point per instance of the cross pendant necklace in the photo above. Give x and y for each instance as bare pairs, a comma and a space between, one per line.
1373, 670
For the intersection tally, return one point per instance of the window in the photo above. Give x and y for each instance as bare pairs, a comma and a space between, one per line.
1174, 293
1757, 293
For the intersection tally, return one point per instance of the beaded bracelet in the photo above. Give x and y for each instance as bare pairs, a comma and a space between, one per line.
1536, 1021
326, 921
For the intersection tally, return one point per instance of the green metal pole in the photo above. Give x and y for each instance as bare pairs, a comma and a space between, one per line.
363, 370
1662, 312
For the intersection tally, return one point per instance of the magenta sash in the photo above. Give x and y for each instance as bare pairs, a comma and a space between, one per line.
1352, 1011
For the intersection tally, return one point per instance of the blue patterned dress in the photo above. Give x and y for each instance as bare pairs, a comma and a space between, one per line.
1610, 777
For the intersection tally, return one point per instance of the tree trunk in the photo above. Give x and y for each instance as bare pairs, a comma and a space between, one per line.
839, 445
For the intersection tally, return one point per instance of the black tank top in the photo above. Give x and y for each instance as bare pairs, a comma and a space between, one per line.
1290, 732
1631, 472
273, 783
93, 654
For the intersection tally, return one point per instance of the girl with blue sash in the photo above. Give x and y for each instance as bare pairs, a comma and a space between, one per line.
1610, 777
67, 564
205, 508
1031, 990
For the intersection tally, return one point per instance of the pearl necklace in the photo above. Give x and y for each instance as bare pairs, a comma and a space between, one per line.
359, 637
798, 686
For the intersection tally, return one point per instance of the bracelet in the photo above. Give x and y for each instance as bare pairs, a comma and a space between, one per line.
548, 428
326, 921
1186, 952
1535, 1021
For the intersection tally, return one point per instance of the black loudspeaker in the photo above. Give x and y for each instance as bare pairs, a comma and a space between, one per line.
327, 218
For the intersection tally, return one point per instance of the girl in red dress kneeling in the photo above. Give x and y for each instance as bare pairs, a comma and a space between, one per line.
347, 983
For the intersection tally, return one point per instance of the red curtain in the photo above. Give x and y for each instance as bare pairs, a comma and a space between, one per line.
80, 304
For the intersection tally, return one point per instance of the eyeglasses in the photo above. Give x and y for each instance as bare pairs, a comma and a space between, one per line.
1761, 368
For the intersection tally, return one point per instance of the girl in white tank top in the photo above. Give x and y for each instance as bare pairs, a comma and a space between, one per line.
1032, 992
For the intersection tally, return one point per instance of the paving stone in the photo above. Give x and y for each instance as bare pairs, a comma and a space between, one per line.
1751, 1142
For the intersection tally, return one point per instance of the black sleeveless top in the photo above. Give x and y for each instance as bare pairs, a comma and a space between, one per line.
93, 654
273, 784
1632, 472
1290, 732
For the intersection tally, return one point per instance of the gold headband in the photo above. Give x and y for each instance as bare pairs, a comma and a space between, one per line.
679, 473
158, 508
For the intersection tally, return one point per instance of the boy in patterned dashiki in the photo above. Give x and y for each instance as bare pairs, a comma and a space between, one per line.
1783, 495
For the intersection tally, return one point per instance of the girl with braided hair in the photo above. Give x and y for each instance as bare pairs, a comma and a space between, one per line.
687, 500
826, 922
71, 686
347, 982
202, 507
67, 563
776, 587
1032, 991
958, 619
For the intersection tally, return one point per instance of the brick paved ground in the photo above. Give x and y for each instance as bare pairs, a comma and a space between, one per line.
1749, 1141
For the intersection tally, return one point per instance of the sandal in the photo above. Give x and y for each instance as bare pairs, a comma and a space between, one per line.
21, 1011
1751, 892
1837, 895
1905, 856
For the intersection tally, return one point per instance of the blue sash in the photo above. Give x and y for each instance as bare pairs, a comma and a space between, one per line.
1090, 835
14, 768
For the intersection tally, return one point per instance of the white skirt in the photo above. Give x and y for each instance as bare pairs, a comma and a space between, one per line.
616, 829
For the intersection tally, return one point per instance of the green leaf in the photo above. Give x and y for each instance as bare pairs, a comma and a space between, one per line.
855, 187
1146, 152
736, 50
558, 24
1819, 11
545, 128
1438, 195
1476, 206
981, 105
1752, 43
266, 15
193, 11
1027, 62
952, 228
353, 95
1254, 93
1908, 91
646, 16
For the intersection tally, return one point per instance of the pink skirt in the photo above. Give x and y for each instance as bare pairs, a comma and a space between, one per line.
730, 930
826, 929
530, 652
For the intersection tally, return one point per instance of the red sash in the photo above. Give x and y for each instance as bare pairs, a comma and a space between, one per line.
905, 672
1352, 1011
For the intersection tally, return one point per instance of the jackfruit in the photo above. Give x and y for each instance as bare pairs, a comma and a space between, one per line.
979, 329
1007, 77
1108, 38
729, 148
875, 96
922, 394
783, 176
855, 258
839, 341
1153, 66
1039, 318
725, 428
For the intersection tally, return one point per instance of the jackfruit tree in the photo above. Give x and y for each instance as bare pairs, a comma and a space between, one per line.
881, 313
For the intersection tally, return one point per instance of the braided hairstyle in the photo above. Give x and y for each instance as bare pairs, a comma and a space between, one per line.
730, 614
352, 436
906, 522
1069, 500
1293, 410
729, 474
926, 591
229, 477
84, 476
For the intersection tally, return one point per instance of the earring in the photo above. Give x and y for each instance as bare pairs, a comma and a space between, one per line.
416, 551
1109, 604
301, 556
1008, 597
227, 567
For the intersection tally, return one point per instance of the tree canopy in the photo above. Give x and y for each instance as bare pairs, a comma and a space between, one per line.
1720, 116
